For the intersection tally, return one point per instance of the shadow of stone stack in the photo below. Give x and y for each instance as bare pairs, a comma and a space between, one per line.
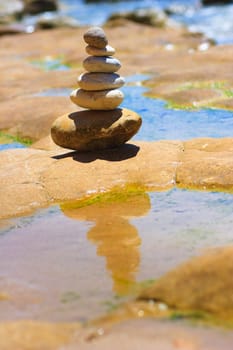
102, 124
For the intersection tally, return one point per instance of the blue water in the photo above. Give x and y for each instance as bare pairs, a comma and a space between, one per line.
160, 122
12, 145
215, 21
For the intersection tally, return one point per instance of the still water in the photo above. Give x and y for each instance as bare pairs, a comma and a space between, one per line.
66, 264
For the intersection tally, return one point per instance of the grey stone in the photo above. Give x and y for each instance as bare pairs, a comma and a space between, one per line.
95, 36
101, 64
100, 81
97, 100
94, 51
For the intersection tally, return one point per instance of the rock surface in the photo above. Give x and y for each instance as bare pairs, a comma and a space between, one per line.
36, 335
34, 178
205, 283
97, 100
85, 131
149, 333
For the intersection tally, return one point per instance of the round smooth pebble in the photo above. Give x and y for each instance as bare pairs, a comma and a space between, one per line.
95, 64
100, 81
106, 51
95, 36
104, 99
95, 130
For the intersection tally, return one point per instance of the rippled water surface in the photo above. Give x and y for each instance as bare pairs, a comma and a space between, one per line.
74, 264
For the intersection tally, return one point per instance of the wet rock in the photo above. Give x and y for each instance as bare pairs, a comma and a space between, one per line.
96, 37
32, 179
34, 7
152, 17
36, 335
97, 100
206, 166
88, 131
204, 283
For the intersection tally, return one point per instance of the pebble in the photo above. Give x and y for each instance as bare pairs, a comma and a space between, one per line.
90, 131
95, 36
97, 100
106, 51
101, 64
100, 81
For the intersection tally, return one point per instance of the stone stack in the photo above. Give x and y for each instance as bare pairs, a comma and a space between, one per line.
99, 85
102, 125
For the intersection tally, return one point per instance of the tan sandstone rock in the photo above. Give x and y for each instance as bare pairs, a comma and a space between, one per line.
32, 179
27, 335
204, 283
88, 131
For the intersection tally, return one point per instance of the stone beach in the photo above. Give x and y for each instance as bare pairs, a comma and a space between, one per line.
46, 173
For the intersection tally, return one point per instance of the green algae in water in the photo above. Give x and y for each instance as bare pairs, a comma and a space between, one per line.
70, 297
49, 63
116, 195
7, 138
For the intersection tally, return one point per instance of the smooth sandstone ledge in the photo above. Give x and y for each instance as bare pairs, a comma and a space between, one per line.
33, 178
26, 335
144, 333
203, 283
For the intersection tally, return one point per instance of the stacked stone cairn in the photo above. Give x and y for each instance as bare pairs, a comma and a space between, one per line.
101, 124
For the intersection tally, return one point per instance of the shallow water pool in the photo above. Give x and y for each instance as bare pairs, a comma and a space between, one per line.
66, 264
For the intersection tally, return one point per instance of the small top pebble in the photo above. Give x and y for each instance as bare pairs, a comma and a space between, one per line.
96, 37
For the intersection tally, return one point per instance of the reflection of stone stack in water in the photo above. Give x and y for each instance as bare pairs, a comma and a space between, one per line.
115, 237
103, 125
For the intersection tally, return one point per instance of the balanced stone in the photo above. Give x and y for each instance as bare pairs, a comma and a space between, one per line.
97, 100
106, 51
96, 37
88, 131
100, 81
101, 64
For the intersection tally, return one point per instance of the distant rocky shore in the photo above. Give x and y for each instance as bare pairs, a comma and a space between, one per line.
47, 15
